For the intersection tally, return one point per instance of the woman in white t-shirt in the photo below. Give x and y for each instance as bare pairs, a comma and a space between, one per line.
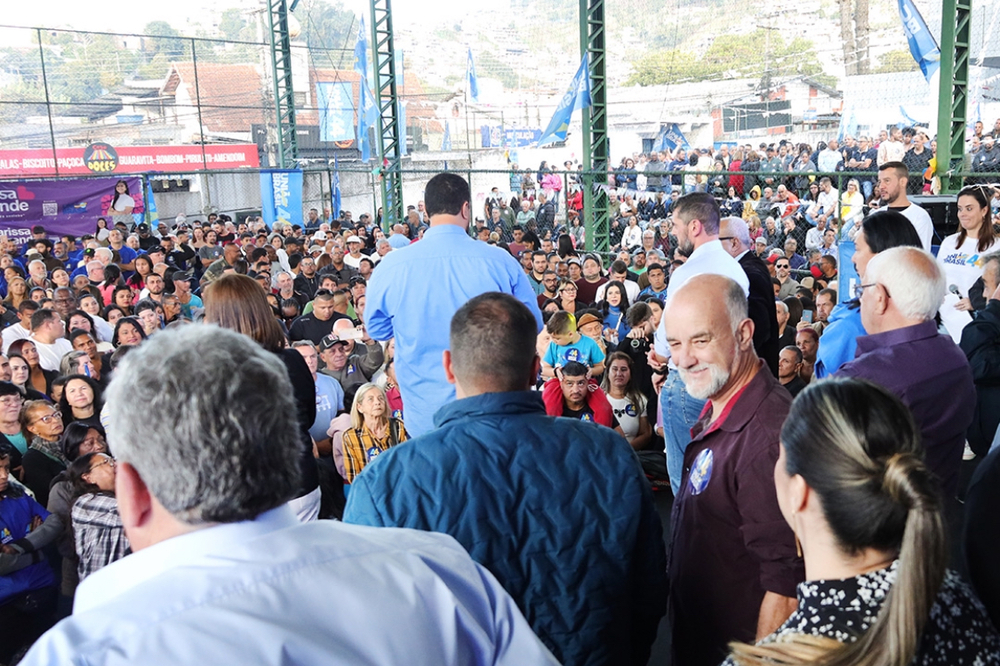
627, 402
961, 255
122, 204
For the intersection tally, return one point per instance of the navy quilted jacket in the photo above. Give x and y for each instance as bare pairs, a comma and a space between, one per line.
557, 509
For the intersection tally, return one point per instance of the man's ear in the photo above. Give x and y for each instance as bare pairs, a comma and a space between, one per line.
449, 370
744, 333
135, 503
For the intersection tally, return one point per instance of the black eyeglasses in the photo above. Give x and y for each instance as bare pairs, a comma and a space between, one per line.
860, 288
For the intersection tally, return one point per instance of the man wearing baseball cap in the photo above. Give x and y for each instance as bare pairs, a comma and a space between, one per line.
354, 256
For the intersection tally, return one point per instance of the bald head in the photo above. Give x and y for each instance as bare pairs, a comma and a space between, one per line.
907, 288
710, 335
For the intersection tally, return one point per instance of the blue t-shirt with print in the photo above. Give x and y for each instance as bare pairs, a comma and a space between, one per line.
583, 351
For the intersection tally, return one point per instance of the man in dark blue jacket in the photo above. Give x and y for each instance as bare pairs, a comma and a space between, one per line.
557, 509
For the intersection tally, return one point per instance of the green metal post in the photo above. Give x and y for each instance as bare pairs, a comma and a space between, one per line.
48, 102
595, 127
284, 96
953, 91
387, 99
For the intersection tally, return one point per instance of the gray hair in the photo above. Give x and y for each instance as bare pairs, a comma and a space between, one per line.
739, 230
913, 279
69, 360
104, 252
217, 439
991, 262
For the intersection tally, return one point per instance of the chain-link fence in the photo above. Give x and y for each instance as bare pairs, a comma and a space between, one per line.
196, 115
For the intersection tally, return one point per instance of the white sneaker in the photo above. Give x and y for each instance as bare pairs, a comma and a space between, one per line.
968, 454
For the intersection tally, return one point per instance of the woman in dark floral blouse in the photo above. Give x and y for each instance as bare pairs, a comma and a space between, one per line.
852, 484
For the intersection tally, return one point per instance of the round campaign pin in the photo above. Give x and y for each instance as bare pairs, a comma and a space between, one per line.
701, 472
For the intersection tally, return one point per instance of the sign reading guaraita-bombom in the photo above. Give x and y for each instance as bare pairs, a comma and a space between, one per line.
104, 158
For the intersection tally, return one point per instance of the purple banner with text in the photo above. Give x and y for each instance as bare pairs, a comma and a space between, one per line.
61, 206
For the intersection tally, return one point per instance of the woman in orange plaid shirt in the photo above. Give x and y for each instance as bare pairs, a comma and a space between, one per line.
372, 431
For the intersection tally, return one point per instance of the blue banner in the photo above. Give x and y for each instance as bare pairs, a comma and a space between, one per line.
577, 97
336, 111
446, 139
494, 136
367, 117
670, 138
281, 196
847, 277
472, 82
923, 46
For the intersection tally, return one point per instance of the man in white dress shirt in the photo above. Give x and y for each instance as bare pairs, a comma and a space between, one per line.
696, 225
223, 573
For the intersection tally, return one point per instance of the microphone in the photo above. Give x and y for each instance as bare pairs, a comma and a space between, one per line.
953, 289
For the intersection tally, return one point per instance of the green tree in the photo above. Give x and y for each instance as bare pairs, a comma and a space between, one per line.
329, 26
232, 23
165, 40
899, 60
729, 56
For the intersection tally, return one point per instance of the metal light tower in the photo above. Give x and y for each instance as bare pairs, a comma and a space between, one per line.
595, 127
387, 99
284, 97
953, 92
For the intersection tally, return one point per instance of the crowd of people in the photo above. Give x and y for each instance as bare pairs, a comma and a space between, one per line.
183, 408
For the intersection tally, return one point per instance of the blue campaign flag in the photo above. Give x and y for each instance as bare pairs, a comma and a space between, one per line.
336, 111
281, 196
577, 97
923, 46
336, 190
361, 51
151, 203
670, 138
367, 117
848, 124
446, 140
471, 82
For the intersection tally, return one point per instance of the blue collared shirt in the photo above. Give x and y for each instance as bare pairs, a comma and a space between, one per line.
276, 591
414, 293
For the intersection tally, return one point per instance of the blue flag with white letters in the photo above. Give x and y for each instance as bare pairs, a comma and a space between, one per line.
670, 138
577, 97
923, 46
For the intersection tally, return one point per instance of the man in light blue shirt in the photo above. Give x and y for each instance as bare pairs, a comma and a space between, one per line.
221, 571
414, 292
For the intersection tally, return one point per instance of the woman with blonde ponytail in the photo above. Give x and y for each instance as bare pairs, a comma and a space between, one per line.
866, 511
